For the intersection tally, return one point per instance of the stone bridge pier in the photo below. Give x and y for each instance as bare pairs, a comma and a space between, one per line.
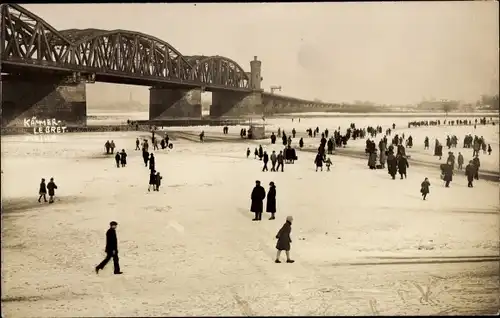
167, 103
25, 97
235, 104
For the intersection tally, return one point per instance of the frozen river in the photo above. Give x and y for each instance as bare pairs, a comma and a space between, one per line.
364, 244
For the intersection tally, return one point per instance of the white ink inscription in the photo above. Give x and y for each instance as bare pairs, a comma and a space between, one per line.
45, 126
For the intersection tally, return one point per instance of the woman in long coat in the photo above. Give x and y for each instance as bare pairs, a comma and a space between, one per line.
319, 161
271, 200
284, 240
372, 160
383, 158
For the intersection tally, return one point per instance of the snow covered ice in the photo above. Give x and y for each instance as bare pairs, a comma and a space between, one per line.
364, 244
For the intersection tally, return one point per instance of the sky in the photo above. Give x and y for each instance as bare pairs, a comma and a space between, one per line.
386, 52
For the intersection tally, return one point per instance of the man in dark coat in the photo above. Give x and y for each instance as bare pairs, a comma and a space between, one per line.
123, 158
117, 160
402, 165
266, 160
111, 250
280, 160
477, 164
271, 200
145, 157
448, 175
273, 138
261, 152
470, 172
51, 186
392, 164
151, 162
284, 240
258, 196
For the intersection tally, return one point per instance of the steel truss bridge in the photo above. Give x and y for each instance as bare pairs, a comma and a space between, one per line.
29, 44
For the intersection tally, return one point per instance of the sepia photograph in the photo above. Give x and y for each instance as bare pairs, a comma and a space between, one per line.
250, 159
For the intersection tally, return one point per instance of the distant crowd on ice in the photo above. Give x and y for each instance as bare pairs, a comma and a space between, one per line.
391, 150
456, 122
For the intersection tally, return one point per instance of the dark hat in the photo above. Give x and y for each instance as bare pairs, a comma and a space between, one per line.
113, 223
271, 183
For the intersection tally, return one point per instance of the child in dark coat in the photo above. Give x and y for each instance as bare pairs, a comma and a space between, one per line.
284, 240
43, 191
424, 188
158, 181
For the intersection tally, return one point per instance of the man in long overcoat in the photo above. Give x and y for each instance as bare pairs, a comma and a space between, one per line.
402, 165
448, 175
392, 165
470, 172
258, 196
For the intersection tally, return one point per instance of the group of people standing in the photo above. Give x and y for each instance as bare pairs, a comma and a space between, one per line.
42, 192
257, 197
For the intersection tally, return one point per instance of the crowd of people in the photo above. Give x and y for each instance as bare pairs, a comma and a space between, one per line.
455, 122
389, 152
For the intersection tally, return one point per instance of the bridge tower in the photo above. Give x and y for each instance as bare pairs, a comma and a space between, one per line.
234, 104
255, 73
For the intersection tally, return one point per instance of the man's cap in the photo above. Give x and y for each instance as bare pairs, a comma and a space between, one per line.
113, 223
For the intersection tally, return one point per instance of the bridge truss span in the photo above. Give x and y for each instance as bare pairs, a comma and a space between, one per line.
219, 71
29, 44
27, 39
126, 52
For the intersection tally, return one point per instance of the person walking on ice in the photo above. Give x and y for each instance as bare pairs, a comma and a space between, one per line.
424, 188
51, 186
152, 180
284, 240
43, 191
328, 163
111, 250
117, 160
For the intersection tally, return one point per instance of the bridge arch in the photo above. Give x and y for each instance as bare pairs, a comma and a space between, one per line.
219, 71
126, 52
27, 36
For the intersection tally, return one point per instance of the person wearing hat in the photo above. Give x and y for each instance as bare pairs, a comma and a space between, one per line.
258, 195
51, 186
111, 249
284, 240
271, 200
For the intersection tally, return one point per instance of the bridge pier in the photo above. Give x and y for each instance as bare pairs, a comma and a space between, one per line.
235, 104
44, 98
166, 102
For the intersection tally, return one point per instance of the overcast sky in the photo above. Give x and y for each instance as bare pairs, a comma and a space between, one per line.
390, 52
